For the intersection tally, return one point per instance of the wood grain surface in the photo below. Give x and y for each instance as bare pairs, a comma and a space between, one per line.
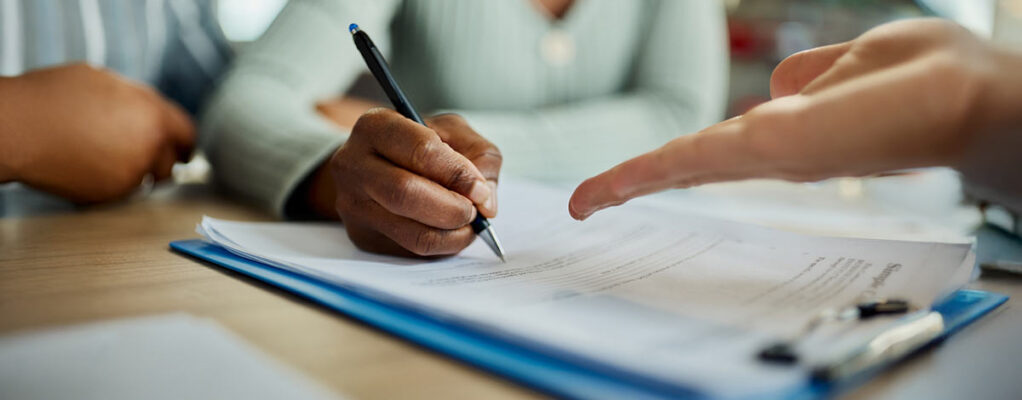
113, 261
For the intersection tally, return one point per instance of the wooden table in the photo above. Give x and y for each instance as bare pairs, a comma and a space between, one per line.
113, 261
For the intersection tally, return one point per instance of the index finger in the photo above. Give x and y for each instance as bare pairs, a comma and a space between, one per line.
419, 149
455, 131
845, 130
720, 152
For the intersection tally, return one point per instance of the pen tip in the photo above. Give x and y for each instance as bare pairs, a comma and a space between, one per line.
353, 28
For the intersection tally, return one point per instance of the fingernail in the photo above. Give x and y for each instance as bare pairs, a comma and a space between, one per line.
590, 213
480, 192
574, 213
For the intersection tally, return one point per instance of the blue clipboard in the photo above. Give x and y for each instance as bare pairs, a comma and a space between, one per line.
545, 371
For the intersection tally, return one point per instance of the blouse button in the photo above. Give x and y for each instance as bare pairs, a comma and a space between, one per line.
557, 48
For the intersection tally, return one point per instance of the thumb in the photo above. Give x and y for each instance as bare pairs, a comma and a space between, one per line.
796, 71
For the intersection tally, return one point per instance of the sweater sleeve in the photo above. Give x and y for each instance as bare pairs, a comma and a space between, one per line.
260, 130
679, 87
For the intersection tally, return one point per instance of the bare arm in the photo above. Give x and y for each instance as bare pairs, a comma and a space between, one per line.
908, 94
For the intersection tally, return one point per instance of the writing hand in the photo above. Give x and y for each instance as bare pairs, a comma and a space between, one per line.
406, 189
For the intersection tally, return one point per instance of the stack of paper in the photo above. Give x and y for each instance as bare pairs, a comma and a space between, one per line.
683, 300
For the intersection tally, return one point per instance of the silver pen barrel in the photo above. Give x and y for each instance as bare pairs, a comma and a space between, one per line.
490, 237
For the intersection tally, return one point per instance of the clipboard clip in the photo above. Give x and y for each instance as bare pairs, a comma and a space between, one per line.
906, 337
784, 352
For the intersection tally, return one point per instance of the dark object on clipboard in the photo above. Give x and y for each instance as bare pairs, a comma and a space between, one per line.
887, 345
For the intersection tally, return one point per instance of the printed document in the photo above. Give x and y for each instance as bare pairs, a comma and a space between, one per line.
683, 299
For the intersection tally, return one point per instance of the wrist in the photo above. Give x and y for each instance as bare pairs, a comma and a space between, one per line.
1005, 97
314, 198
322, 192
994, 132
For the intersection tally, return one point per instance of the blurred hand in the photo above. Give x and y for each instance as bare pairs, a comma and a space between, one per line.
903, 95
86, 134
316, 196
344, 111
404, 189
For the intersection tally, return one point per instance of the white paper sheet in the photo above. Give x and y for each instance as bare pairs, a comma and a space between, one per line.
172, 356
683, 299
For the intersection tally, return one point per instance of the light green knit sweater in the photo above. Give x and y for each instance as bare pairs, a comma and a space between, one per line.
562, 99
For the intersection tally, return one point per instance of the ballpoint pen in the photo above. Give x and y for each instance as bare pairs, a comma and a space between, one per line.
378, 66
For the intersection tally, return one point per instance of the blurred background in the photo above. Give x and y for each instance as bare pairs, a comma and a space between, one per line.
762, 32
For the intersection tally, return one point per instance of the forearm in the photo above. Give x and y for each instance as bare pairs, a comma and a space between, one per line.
1002, 104
991, 164
7, 144
13, 148
264, 140
7, 172
261, 129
